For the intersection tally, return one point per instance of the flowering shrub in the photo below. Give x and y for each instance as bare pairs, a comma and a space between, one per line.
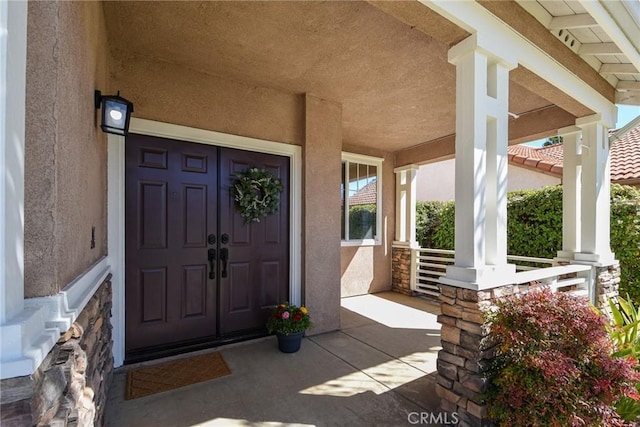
624, 332
554, 364
288, 318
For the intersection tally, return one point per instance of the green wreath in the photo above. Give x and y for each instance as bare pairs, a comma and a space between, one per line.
256, 193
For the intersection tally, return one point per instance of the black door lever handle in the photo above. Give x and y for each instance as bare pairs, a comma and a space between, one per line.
224, 256
212, 263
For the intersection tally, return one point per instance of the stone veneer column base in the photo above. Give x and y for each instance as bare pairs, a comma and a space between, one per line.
466, 349
70, 387
607, 283
401, 270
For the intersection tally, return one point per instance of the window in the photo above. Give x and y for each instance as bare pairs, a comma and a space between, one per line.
361, 206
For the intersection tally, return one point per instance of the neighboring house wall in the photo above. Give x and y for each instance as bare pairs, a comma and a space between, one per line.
65, 152
436, 181
520, 178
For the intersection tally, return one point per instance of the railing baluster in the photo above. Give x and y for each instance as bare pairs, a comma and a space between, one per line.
428, 265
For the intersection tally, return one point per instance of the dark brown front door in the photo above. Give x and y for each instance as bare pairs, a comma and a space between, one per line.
181, 291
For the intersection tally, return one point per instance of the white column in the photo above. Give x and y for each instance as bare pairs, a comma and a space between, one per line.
406, 205
13, 59
596, 190
497, 163
571, 192
482, 99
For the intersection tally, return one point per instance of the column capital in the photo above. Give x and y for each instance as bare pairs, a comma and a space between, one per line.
593, 119
406, 168
486, 45
569, 130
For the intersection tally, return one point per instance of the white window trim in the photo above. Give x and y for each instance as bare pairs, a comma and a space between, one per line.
372, 161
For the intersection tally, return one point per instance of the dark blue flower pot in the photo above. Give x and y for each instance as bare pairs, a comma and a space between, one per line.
290, 343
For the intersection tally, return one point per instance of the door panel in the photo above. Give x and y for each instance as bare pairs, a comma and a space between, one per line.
177, 195
170, 208
250, 289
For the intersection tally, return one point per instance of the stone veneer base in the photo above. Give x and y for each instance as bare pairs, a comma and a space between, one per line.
467, 348
401, 270
71, 385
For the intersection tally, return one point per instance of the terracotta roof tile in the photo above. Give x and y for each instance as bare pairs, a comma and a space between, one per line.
625, 157
365, 196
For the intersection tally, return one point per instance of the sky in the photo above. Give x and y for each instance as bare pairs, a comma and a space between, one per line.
626, 113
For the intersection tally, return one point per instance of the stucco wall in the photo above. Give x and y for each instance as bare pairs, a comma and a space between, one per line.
367, 269
321, 223
170, 93
65, 153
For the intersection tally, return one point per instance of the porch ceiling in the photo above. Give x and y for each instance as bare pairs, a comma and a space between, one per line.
394, 82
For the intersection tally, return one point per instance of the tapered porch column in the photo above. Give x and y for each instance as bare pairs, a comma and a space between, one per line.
406, 205
596, 190
571, 192
595, 248
13, 53
403, 255
482, 99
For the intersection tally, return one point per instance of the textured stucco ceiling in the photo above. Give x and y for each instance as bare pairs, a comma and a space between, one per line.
394, 82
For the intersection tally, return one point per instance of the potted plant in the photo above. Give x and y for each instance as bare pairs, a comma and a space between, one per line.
289, 322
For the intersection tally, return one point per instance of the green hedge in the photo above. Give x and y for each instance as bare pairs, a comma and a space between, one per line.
362, 221
534, 227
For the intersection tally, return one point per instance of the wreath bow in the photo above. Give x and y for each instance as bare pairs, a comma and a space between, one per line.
256, 193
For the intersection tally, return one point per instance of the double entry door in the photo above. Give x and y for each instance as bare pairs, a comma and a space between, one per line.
196, 274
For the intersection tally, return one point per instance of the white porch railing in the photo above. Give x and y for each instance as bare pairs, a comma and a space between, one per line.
429, 265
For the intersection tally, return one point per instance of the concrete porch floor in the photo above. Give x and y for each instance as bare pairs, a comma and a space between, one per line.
376, 370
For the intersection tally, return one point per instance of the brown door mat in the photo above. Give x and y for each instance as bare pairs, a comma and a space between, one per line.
178, 373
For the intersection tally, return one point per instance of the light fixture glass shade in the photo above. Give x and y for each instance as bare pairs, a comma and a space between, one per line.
116, 114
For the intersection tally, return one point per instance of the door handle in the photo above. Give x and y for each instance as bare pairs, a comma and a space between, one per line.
212, 266
224, 256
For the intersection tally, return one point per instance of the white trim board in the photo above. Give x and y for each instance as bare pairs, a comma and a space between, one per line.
115, 197
28, 337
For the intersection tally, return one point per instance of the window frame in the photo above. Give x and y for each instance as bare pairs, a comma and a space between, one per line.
348, 158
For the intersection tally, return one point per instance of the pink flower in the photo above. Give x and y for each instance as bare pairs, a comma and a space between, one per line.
285, 315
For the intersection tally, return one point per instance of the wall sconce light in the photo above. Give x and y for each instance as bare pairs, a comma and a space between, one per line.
116, 113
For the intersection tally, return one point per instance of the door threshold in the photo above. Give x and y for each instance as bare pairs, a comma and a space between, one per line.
180, 351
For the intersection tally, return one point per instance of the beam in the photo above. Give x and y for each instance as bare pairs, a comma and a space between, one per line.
583, 20
528, 127
618, 69
599, 49
627, 85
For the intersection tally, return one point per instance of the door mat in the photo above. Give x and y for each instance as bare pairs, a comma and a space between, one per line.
179, 373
